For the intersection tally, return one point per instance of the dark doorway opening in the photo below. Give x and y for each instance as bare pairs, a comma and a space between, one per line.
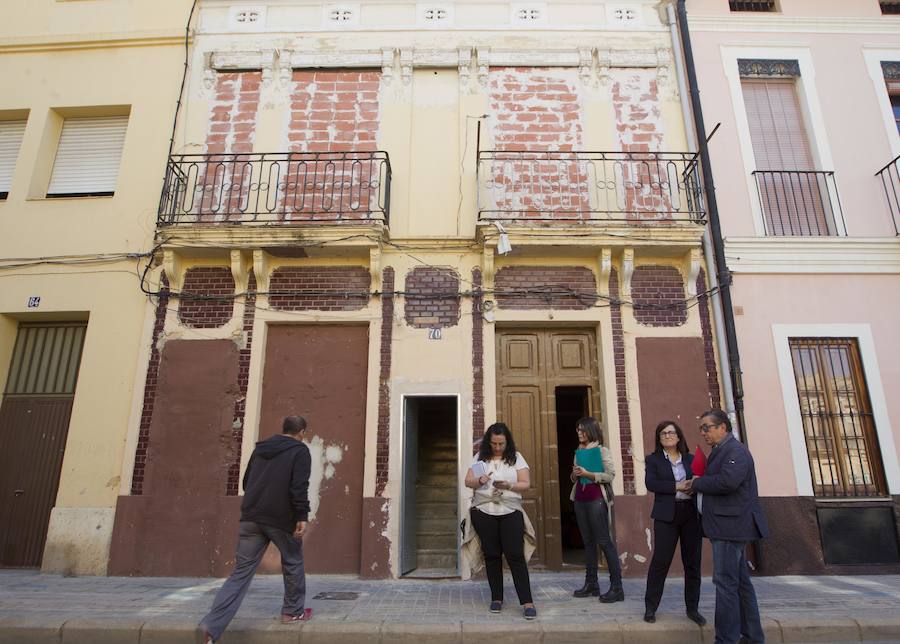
572, 403
429, 516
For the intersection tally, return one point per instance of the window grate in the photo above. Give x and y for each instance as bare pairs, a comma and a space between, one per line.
838, 423
752, 5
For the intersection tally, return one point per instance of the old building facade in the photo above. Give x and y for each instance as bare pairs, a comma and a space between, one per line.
406, 221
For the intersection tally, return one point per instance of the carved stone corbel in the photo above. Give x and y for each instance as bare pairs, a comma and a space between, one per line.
627, 271
604, 63
172, 267
487, 269
240, 270
693, 271
465, 68
585, 65
267, 67
663, 59
261, 270
484, 66
285, 69
387, 65
605, 264
375, 268
406, 66
209, 74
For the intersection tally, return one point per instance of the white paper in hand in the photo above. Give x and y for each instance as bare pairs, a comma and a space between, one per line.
479, 469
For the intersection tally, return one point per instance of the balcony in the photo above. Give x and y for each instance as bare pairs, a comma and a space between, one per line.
800, 203
590, 187
890, 180
276, 188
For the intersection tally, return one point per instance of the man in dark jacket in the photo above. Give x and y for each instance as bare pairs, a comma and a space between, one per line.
275, 509
731, 518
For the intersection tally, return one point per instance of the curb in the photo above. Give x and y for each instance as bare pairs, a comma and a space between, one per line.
39, 630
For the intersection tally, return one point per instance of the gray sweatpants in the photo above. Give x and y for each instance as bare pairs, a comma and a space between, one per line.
252, 541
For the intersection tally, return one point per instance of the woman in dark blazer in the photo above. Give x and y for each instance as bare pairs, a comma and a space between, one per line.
674, 519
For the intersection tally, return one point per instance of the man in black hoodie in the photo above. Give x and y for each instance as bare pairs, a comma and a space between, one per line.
275, 509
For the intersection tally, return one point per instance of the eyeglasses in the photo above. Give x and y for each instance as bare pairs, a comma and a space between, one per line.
705, 428
668, 432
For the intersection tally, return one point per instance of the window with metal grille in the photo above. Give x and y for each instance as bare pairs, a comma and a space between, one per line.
752, 5
841, 440
890, 6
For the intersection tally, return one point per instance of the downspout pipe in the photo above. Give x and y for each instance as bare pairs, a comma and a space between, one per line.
723, 275
708, 256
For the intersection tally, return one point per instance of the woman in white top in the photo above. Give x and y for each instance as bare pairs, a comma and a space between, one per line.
499, 475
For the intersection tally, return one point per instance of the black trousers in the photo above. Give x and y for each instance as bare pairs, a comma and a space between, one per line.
686, 529
503, 535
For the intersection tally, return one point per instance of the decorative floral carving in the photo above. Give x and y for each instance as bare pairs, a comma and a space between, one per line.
755, 68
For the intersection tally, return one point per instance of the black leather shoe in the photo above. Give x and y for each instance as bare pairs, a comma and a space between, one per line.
613, 595
649, 616
696, 617
589, 588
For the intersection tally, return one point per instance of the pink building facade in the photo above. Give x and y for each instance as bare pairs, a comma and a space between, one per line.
807, 93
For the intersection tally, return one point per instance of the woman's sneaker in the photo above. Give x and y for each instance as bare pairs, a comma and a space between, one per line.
496, 607
530, 612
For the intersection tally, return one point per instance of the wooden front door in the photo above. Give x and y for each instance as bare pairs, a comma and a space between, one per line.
531, 365
34, 423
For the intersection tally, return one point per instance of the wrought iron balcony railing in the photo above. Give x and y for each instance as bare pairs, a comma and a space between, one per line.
890, 179
634, 187
801, 203
283, 187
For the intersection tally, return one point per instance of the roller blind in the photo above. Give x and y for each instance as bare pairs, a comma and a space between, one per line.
776, 125
11, 133
88, 156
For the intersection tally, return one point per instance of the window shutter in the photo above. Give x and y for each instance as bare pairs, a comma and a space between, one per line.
776, 125
893, 86
87, 160
11, 133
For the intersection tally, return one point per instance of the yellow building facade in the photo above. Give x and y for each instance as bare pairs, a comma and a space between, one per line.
85, 122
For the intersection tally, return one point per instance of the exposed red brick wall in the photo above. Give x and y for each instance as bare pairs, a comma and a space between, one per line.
657, 293
543, 287
319, 288
240, 405
618, 339
212, 304
537, 110
150, 384
334, 111
383, 439
639, 125
232, 121
232, 126
431, 297
477, 357
709, 352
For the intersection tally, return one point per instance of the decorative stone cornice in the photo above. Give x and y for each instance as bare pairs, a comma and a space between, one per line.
840, 255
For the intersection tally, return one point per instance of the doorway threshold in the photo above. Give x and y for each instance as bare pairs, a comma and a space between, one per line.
432, 573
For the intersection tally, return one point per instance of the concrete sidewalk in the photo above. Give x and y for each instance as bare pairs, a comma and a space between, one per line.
50, 608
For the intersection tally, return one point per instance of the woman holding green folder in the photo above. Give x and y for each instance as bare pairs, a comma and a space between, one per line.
594, 467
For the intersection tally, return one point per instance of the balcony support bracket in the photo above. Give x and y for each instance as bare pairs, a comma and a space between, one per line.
627, 271
240, 270
172, 267
261, 270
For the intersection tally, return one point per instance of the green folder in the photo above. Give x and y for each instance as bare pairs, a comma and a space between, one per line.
590, 459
